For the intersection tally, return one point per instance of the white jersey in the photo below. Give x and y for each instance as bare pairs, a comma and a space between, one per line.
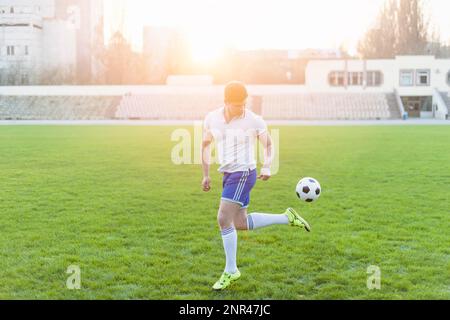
235, 141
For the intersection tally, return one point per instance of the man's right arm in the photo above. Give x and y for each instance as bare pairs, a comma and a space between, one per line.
206, 159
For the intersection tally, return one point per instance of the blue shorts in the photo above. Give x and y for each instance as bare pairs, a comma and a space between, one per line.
237, 187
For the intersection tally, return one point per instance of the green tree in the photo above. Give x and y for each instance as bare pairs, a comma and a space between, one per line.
400, 29
412, 28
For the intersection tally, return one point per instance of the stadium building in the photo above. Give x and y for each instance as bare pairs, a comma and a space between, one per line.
420, 84
338, 89
49, 40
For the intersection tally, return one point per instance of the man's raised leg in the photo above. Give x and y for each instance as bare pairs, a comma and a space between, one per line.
254, 221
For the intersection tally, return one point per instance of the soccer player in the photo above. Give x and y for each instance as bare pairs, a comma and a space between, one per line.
235, 131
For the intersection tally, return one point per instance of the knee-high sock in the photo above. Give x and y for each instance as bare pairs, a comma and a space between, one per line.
229, 237
262, 220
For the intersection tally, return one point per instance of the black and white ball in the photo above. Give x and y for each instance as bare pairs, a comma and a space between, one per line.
308, 189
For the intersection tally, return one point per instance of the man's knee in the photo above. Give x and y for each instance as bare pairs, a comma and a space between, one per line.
227, 214
224, 219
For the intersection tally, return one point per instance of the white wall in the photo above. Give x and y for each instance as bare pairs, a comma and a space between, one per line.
317, 73
20, 38
423, 62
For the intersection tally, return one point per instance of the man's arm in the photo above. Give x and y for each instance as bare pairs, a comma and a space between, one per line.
266, 141
206, 160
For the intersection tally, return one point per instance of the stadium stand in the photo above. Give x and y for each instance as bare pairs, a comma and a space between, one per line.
331, 106
195, 105
58, 107
168, 107
317, 106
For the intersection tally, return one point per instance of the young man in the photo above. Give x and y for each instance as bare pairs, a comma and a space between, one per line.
235, 131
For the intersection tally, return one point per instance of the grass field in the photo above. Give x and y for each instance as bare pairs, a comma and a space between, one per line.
109, 200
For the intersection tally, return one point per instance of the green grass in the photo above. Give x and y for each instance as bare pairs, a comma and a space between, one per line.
110, 200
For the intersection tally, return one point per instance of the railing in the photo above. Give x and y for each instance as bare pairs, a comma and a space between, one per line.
440, 106
403, 113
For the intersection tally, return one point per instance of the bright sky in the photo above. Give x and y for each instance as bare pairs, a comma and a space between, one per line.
259, 24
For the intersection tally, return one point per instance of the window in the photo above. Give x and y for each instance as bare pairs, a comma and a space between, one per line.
341, 79
332, 78
11, 10
448, 78
27, 52
406, 78
336, 78
355, 78
10, 50
374, 78
423, 77
378, 78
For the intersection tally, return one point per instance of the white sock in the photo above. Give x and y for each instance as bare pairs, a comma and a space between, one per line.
262, 220
229, 237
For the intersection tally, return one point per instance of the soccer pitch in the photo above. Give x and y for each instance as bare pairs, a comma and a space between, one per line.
109, 200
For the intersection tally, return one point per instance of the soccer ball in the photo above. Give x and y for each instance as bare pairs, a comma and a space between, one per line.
308, 189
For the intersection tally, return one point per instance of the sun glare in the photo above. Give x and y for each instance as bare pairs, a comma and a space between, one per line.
205, 54
205, 46
212, 25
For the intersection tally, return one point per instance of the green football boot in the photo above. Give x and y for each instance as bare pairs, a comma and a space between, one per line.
226, 280
296, 220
